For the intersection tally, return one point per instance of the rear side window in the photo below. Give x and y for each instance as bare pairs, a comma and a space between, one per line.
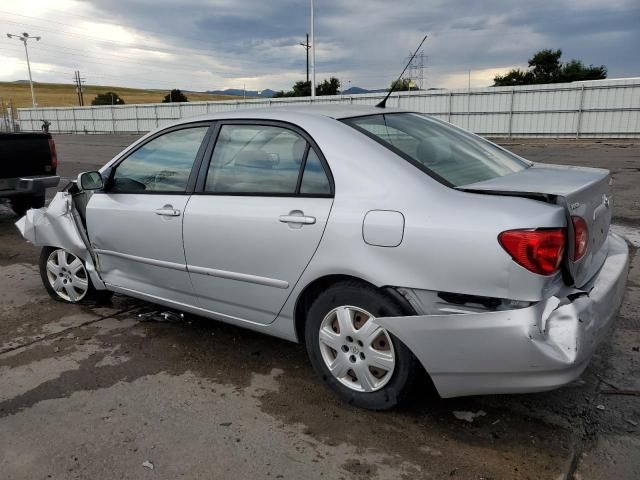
256, 159
160, 165
314, 178
446, 152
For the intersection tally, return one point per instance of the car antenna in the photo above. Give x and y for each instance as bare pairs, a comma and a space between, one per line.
383, 103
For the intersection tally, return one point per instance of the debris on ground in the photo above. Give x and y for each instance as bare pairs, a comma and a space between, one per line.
631, 422
147, 464
632, 393
166, 316
468, 416
600, 407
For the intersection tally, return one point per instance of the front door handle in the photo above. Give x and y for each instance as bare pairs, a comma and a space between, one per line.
168, 211
299, 219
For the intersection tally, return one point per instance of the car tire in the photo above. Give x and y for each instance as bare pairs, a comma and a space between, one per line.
66, 280
381, 389
21, 204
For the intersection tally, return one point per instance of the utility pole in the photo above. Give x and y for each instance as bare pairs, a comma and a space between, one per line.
75, 82
307, 46
313, 55
24, 37
77, 79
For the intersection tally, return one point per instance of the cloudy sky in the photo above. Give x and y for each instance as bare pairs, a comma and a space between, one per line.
218, 44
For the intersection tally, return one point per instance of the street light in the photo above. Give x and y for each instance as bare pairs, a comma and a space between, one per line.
313, 55
24, 37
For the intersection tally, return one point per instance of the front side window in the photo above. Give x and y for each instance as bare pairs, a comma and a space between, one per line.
452, 154
256, 159
161, 165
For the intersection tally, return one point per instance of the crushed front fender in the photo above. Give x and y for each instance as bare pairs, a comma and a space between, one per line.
59, 225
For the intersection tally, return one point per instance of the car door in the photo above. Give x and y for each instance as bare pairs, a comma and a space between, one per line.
135, 224
256, 219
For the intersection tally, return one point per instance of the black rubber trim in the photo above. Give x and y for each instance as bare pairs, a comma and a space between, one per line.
400, 299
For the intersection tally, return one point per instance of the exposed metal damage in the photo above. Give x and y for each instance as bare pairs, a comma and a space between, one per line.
547, 343
60, 225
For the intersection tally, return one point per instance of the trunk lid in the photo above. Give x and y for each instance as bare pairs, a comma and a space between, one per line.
582, 191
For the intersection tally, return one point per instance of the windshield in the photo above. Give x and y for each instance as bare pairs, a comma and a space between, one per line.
442, 150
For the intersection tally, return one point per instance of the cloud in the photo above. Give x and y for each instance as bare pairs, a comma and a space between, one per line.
216, 44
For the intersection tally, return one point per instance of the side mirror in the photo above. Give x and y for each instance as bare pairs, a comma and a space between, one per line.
90, 181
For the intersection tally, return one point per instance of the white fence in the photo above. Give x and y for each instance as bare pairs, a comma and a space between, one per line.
606, 108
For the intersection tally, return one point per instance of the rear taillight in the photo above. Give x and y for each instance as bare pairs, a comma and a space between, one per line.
54, 155
539, 251
580, 237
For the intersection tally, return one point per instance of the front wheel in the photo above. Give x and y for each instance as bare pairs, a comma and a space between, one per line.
360, 361
66, 279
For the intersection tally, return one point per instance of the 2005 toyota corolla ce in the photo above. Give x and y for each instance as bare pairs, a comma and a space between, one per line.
386, 241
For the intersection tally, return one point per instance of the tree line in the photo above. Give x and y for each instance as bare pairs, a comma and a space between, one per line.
112, 98
545, 67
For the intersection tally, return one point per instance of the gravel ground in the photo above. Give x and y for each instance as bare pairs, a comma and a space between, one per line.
92, 392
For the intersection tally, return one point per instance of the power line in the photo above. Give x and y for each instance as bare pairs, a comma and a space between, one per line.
64, 14
189, 50
131, 61
352, 73
174, 51
110, 42
47, 21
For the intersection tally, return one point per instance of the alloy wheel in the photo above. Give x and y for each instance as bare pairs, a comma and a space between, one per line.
67, 275
357, 352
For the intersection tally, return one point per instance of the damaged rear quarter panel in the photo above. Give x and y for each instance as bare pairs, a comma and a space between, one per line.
543, 346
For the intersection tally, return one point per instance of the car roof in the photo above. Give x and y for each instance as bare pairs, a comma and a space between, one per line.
340, 111
292, 113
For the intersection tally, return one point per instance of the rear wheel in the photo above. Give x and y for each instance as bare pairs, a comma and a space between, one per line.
66, 279
361, 362
21, 204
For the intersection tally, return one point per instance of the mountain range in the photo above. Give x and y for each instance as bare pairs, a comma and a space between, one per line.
268, 93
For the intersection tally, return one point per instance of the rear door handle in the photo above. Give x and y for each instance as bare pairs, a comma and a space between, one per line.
300, 219
168, 211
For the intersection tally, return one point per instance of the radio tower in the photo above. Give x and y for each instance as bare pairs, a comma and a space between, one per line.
416, 70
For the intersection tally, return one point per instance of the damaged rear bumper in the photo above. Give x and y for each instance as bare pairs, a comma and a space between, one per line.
540, 347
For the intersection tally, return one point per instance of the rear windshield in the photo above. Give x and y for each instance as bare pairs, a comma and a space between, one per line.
445, 152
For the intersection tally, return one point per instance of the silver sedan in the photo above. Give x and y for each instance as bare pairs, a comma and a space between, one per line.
387, 241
